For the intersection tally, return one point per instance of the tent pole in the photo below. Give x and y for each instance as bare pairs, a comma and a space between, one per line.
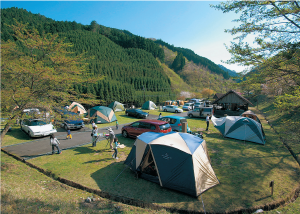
202, 201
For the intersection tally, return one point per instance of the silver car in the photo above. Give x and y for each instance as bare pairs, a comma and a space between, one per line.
201, 112
172, 108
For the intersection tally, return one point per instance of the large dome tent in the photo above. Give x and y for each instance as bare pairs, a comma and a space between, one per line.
101, 114
76, 107
241, 128
177, 161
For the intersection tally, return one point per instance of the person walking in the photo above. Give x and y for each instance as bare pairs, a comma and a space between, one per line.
116, 145
54, 143
111, 137
117, 124
69, 133
93, 124
94, 135
207, 122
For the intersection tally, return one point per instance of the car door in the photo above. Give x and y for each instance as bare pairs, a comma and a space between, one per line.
144, 127
197, 112
134, 129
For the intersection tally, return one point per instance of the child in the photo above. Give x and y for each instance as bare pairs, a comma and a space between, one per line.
69, 133
94, 135
54, 143
116, 148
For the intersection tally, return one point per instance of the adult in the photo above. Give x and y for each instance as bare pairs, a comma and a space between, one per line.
115, 154
159, 116
93, 124
94, 135
207, 122
54, 143
111, 137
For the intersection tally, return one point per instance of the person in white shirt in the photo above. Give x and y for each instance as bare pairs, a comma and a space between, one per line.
207, 122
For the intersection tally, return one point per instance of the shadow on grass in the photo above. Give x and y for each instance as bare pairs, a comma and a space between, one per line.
243, 168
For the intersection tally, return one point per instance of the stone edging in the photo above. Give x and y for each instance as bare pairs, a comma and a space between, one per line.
138, 203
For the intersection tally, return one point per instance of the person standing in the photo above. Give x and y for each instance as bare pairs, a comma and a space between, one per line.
116, 145
54, 143
69, 133
94, 136
93, 124
117, 124
111, 137
207, 122
159, 116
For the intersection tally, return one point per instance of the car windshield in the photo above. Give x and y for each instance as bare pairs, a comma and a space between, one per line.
165, 126
37, 123
186, 104
139, 111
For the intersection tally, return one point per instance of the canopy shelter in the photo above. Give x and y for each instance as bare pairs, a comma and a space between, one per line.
76, 107
116, 106
101, 114
241, 128
149, 105
177, 161
232, 101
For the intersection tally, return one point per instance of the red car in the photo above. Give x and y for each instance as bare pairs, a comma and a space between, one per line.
141, 126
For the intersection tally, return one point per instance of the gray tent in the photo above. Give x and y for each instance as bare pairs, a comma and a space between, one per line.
116, 106
178, 161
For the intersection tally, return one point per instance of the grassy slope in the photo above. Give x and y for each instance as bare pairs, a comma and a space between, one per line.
286, 124
244, 170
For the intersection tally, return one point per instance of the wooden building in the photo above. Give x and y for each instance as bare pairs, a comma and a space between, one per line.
232, 101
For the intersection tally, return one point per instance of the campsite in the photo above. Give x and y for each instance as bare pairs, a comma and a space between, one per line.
239, 166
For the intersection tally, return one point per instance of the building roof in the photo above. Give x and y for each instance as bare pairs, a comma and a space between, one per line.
240, 98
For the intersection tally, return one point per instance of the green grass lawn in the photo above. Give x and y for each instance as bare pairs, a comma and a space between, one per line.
243, 168
25, 190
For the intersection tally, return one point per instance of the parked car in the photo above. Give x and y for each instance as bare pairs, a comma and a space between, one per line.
199, 104
201, 112
37, 127
176, 123
139, 127
188, 106
72, 120
138, 113
194, 100
172, 108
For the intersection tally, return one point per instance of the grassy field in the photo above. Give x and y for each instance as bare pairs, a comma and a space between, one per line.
25, 190
244, 170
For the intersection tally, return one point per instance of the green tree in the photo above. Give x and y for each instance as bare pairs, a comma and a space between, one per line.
36, 71
275, 54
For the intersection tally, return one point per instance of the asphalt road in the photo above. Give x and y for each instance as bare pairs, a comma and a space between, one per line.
41, 146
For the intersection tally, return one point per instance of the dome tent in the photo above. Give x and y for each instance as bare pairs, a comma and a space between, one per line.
76, 107
149, 105
116, 106
101, 114
178, 161
241, 128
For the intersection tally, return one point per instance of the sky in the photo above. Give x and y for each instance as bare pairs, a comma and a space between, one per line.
187, 24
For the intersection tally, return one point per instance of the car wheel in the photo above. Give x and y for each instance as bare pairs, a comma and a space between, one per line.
125, 134
165, 110
29, 134
190, 115
127, 114
176, 111
66, 127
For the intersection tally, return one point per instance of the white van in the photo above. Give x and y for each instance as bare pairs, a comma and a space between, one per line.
201, 112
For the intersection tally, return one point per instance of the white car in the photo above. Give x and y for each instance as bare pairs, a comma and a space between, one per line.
199, 104
37, 127
188, 106
172, 108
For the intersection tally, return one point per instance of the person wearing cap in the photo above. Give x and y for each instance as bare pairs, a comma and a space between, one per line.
94, 135
111, 137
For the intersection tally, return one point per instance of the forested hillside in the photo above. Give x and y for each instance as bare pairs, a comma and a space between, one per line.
132, 67
126, 62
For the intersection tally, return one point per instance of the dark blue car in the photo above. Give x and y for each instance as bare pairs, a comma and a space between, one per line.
72, 120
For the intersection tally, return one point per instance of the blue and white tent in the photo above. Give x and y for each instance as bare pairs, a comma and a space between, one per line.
241, 128
178, 161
